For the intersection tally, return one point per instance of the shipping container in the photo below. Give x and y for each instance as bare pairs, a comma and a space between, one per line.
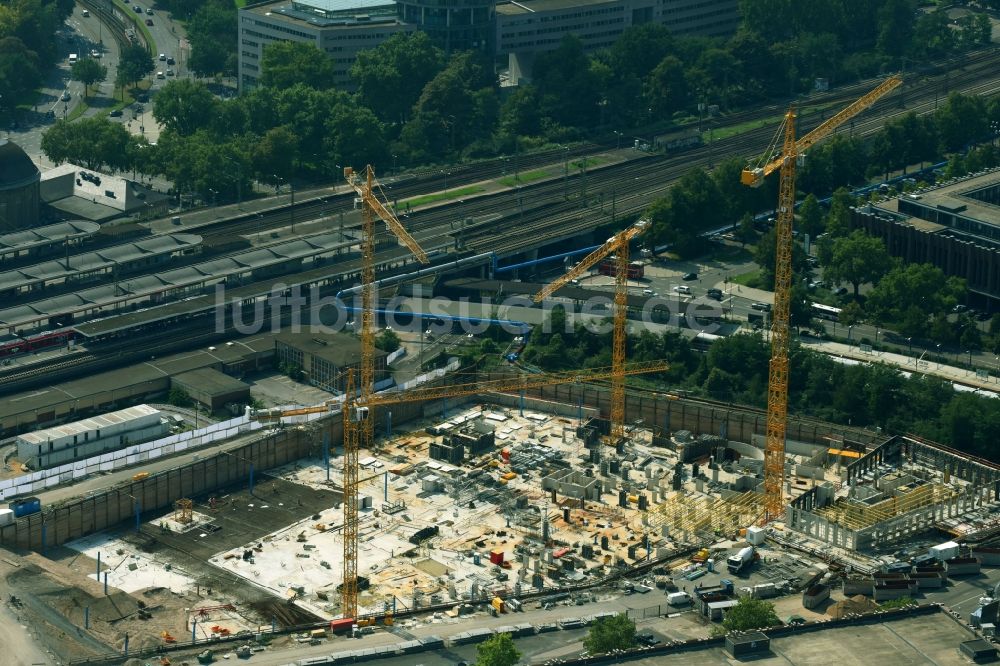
751, 642
496, 557
944, 551
26, 506
342, 625
6, 517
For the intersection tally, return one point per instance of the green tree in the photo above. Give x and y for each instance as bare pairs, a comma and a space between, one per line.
851, 314
133, 64
497, 651
285, 64
88, 72
19, 71
838, 220
275, 155
667, 86
213, 32
895, 21
391, 76
932, 36
96, 143
569, 88
745, 231
765, 254
184, 106
811, 217
456, 107
858, 259
690, 207
610, 633
387, 341
355, 135
749, 613
178, 397
921, 286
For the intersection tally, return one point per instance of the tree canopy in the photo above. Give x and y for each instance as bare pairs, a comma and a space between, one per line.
497, 650
858, 259
610, 633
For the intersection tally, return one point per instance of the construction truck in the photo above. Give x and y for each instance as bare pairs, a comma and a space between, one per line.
736, 563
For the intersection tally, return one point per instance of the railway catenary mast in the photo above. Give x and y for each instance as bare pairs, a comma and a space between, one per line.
777, 386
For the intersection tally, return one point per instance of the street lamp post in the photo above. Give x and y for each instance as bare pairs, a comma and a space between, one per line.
970, 361
939, 355
909, 342
849, 329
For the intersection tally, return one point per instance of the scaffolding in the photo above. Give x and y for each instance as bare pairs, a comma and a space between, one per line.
692, 517
858, 516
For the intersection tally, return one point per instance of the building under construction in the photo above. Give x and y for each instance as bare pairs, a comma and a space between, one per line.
897, 490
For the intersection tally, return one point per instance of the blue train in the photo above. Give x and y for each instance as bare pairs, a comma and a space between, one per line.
26, 506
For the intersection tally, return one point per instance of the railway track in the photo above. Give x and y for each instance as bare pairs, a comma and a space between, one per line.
543, 209
968, 68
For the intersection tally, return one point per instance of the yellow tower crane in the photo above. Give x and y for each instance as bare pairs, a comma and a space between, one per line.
777, 387
359, 434
617, 244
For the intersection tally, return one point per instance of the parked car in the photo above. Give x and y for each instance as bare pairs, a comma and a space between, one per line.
137, 9
163, 56
763, 307
715, 293
117, 113
170, 72
690, 276
170, 60
841, 291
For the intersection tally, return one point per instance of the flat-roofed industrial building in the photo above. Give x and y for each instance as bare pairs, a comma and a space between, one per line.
82, 439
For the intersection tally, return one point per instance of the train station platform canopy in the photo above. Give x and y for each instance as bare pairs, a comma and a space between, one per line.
76, 266
19, 242
113, 298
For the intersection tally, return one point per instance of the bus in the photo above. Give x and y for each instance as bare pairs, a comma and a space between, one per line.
635, 269
827, 312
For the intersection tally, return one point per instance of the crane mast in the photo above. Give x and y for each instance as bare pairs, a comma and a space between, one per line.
358, 429
777, 385
619, 245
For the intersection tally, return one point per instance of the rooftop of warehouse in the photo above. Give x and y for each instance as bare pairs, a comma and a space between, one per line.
338, 348
95, 423
210, 381
42, 400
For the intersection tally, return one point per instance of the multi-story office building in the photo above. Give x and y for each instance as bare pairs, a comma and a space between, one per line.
529, 27
518, 29
340, 28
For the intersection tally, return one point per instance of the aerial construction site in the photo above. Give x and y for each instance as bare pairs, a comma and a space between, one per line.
452, 507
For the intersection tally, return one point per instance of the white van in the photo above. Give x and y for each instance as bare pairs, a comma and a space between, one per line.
73, 58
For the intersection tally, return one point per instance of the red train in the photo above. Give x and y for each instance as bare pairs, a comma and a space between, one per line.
12, 346
635, 269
